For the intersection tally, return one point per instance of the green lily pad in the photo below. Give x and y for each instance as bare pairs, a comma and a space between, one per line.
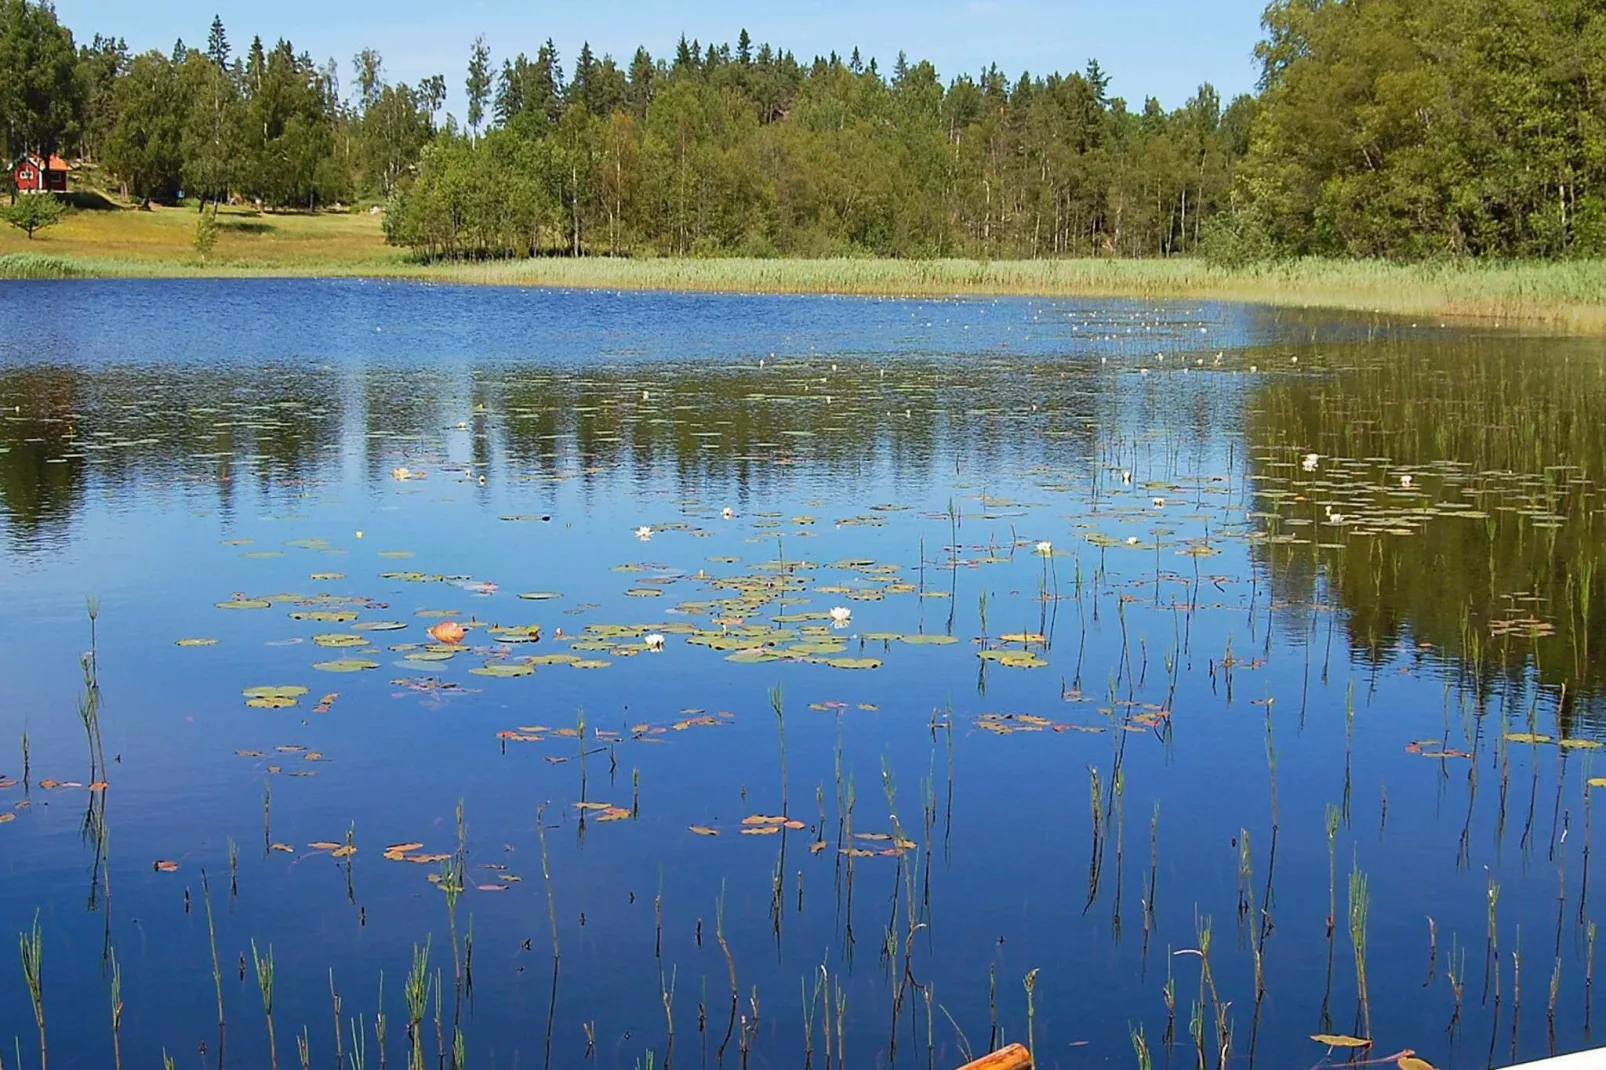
273, 698
852, 663
339, 639
378, 626
345, 665
270, 702
539, 596
503, 669
324, 616
751, 657
528, 634
245, 603
554, 659
286, 691
195, 642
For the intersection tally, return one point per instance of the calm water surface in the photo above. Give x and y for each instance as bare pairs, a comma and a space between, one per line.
1170, 628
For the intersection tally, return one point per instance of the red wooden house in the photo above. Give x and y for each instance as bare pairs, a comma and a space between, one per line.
32, 174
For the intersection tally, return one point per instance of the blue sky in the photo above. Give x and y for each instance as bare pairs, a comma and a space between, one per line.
1159, 47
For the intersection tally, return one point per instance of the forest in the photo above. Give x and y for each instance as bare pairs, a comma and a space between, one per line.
1410, 129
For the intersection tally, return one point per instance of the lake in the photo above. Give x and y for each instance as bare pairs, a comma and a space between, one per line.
545, 679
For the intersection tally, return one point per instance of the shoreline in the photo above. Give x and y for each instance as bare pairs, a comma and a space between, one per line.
1567, 297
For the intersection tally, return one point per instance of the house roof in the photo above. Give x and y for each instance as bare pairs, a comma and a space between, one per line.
56, 163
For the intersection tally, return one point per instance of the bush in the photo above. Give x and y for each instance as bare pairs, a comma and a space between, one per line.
206, 233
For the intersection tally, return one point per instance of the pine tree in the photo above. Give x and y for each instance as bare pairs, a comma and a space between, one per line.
217, 44
639, 83
546, 90
583, 88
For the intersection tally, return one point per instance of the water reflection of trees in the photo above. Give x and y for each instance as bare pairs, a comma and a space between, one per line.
1511, 432
745, 430
122, 427
739, 430
41, 482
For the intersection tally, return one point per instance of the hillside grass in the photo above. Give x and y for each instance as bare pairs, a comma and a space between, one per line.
113, 240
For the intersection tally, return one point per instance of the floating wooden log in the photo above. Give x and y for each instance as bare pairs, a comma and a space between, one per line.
1014, 1057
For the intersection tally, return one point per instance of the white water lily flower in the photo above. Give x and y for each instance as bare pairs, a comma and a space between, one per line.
1311, 460
840, 615
1159, 503
644, 533
727, 512
1405, 481
1045, 547
1126, 476
655, 642
1131, 540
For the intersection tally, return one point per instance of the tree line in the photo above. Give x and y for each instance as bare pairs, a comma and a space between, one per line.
1386, 128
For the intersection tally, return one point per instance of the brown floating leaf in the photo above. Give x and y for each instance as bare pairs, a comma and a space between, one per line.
285, 847
7, 817
703, 830
491, 887
447, 631
760, 819
593, 806
99, 785
344, 852
427, 860
164, 866
324, 845
1411, 1062
794, 825
762, 830
1339, 1041
402, 848
816, 847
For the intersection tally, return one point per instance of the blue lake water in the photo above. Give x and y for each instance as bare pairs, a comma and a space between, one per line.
1159, 619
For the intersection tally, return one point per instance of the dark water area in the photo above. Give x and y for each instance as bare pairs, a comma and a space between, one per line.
903, 678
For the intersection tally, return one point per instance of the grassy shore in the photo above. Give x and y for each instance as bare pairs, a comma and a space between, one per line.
119, 242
